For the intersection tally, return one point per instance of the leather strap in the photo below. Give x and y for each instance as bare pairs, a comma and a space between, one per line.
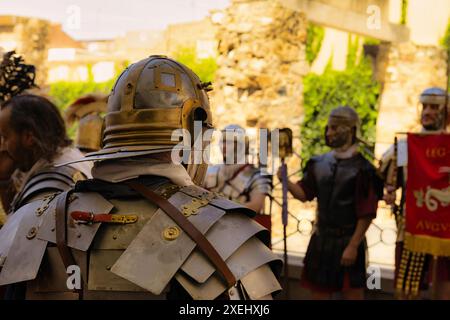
61, 232
202, 243
90, 217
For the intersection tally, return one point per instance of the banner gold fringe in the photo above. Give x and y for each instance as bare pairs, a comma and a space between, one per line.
427, 244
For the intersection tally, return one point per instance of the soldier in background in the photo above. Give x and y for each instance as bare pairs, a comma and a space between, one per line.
347, 190
87, 110
394, 167
240, 180
15, 77
33, 138
141, 228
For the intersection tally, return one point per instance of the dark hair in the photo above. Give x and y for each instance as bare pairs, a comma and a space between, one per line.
40, 116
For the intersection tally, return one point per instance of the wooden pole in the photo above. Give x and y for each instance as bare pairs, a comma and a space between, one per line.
434, 291
284, 218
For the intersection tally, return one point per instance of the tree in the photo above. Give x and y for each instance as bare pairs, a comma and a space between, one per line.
205, 68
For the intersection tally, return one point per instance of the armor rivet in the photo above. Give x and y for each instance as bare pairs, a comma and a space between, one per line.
171, 233
108, 268
78, 235
53, 229
32, 233
114, 237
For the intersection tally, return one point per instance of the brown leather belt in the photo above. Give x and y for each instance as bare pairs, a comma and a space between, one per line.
61, 233
90, 217
202, 243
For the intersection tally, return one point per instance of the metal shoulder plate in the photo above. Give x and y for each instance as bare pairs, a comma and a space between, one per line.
162, 251
51, 178
27, 232
21, 250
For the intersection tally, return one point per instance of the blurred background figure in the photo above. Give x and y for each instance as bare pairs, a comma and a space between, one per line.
236, 178
433, 114
347, 190
87, 110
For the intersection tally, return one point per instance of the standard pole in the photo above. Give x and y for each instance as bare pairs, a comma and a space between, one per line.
284, 218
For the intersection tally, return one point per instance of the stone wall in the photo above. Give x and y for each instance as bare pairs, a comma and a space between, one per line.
405, 70
261, 66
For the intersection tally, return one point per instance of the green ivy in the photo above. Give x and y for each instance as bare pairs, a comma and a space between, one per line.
314, 38
63, 93
353, 87
352, 52
205, 68
371, 41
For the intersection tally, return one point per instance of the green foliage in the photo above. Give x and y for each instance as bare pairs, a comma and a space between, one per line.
314, 40
446, 44
65, 92
352, 52
353, 87
205, 68
404, 11
371, 41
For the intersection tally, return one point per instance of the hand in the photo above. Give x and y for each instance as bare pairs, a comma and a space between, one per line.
7, 165
349, 255
389, 196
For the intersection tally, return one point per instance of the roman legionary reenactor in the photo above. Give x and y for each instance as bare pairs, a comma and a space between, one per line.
347, 190
141, 228
413, 269
33, 139
236, 178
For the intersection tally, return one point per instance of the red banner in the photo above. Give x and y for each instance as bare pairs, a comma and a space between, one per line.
428, 194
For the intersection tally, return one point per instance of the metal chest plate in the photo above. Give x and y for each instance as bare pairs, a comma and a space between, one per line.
26, 250
52, 275
260, 282
151, 261
227, 235
100, 276
119, 236
79, 236
7, 235
250, 256
209, 290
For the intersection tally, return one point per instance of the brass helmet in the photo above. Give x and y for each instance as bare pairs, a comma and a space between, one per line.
150, 100
347, 117
437, 96
87, 110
